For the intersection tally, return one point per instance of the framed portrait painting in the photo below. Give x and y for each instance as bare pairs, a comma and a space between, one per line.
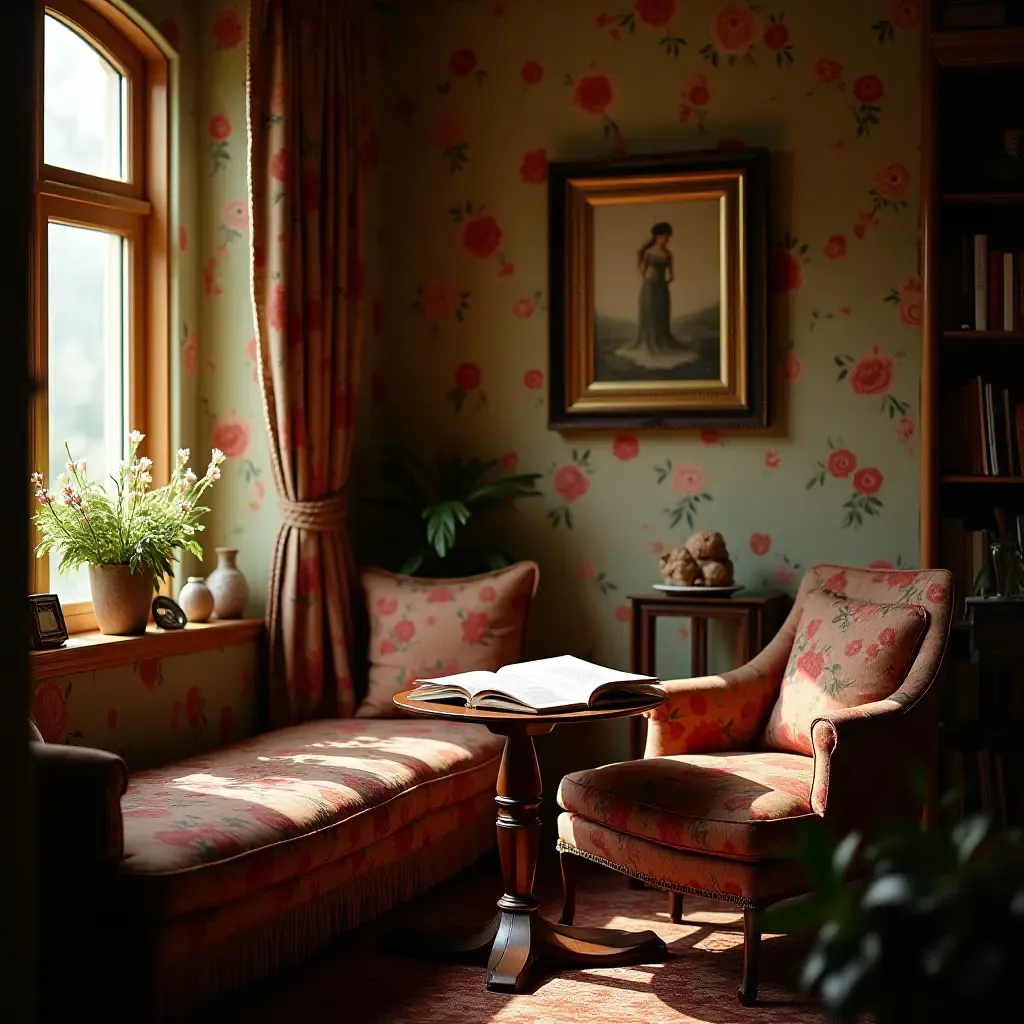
658, 291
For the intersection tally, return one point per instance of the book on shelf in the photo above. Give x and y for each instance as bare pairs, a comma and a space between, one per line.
965, 552
983, 430
546, 686
984, 286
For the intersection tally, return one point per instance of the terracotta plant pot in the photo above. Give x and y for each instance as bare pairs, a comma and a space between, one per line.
121, 599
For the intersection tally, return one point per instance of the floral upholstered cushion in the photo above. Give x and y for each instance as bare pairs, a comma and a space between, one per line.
284, 803
421, 628
740, 806
846, 653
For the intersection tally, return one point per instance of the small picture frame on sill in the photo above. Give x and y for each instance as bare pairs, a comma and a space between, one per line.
47, 622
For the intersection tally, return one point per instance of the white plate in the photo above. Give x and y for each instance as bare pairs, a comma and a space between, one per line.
673, 588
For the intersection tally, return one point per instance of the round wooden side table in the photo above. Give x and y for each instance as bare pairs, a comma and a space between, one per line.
518, 936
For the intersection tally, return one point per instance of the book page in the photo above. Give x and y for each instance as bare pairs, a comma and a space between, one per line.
469, 682
564, 679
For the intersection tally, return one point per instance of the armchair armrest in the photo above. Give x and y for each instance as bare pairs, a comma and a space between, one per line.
867, 760
78, 803
711, 713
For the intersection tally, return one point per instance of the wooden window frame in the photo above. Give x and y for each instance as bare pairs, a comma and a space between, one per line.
138, 209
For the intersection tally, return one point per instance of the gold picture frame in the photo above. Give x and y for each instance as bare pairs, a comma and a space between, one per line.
658, 291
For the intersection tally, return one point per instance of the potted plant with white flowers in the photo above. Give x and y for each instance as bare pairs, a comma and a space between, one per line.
128, 539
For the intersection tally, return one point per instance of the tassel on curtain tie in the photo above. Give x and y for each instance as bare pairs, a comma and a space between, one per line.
321, 514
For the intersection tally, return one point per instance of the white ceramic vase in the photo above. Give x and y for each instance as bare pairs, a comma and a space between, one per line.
196, 599
121, 599
228, 586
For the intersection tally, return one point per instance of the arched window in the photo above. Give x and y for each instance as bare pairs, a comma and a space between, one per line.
100, 322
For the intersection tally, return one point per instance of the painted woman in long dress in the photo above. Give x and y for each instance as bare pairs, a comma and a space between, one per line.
655, 345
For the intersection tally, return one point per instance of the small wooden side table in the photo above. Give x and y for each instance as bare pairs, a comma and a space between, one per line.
517, 936
760, 614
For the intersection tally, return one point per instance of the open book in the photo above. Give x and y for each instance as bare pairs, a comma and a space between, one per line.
540, 687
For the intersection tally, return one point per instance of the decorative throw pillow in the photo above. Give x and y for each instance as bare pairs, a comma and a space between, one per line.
846, 653
423, 628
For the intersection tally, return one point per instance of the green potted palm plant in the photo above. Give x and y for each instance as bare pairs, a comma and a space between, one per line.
434, 506
127, 538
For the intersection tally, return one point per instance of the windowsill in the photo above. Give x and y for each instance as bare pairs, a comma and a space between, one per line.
86, 652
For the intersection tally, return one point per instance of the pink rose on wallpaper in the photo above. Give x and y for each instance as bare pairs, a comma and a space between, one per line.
474, 627
623, 613
481, 235
868, 89
893, 181
834, 247
625, 447
905, 428
867, 481
911, 302
771, 460
447, 130
219, 127
656, 13
784, 573
279, 165
523, 308
841, 463
791, 366
50, 711
467, 376
227, 724
227, 28
232, 435
588, 572
687, 479
236, 215
440, 300
710, 435
149, 672
508, 462
462, 63
532, 72
697, 92
534, 168
655, 547
760, 543
190, 353
593, 93
533, 380
170, 31
873, 374
571, 482
827, 71
257, 492
776, 37
194, 706
905, 14
786, 272
734, 27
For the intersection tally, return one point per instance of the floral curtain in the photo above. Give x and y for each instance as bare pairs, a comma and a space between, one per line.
306, 78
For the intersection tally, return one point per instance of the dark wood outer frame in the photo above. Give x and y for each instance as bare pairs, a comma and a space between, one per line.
755, 163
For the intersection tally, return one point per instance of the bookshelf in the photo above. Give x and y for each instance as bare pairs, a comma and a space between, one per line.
972, 386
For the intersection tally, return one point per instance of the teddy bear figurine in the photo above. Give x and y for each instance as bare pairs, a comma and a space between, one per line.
703, 561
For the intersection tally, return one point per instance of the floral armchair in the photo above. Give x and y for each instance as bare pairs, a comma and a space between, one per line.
827, 722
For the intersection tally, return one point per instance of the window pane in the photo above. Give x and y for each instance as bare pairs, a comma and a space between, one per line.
86, 363
83, 105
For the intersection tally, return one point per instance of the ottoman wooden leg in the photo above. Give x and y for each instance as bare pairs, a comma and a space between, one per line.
675, 907
568, 862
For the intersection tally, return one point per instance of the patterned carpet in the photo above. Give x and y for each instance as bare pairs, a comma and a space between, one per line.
355, 982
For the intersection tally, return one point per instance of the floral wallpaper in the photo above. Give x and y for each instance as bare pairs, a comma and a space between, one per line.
155, 710
477, 97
